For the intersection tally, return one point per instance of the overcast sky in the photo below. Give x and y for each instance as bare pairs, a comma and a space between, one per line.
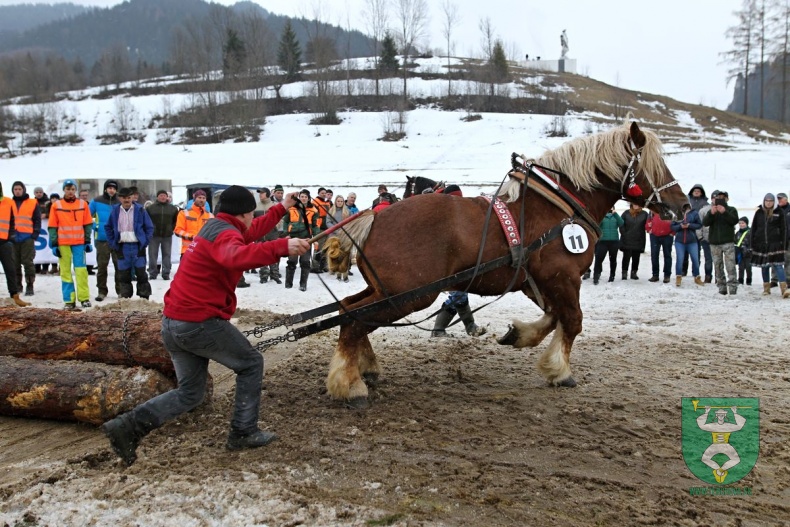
668, 47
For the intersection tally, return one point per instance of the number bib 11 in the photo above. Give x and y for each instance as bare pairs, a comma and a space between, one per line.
575, 238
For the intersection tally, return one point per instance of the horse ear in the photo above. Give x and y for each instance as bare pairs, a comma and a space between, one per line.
637, 136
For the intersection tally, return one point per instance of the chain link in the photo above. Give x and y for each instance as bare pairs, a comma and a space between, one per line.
268, 343
258, 331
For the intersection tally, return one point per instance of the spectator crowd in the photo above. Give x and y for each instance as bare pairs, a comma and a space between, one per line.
711, 241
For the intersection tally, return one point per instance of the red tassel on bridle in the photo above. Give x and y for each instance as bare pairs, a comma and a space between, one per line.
634, 190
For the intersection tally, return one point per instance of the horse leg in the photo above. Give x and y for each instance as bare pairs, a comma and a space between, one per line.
353, 350
554, 363
524, 334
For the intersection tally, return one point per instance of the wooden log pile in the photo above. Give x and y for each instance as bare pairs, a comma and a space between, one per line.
81, 366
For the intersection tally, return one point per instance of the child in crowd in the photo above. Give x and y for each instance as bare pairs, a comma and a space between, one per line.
743, 250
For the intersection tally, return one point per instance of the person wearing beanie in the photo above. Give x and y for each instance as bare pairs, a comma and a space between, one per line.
196, 324
70, 227
265, 202
27, 222
164, 216
743, 250
769, 242
100, 209
721, 220
6, 247
301, 222
129, 231
199, 192
192, 219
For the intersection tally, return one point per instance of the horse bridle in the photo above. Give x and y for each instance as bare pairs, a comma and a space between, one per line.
630, 178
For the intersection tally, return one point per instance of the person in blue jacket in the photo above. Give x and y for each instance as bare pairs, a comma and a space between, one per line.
686, 243
129, 231
100, 209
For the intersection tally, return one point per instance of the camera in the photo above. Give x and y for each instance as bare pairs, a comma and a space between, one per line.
721, 201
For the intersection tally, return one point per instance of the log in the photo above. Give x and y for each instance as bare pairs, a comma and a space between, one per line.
130, 338
75, 391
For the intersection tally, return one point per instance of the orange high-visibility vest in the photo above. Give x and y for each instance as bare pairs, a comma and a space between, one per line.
189, 223
70, 220
23, 216
6, 211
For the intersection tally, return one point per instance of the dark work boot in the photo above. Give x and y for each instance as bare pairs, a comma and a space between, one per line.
633, 275
596, 278
586, 275
259, 438
303, 279
625, 275
468, 318
443, 320
125, 433
708, 279
289, 277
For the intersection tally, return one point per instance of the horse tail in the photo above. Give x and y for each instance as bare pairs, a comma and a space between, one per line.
357, 230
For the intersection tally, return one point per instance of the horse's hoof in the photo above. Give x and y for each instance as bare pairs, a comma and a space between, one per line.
358, 403
568, 382
510, 338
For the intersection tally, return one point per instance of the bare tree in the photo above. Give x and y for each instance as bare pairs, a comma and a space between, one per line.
780, 22
412, 22
761, 44
450, 18
743, 40
322, 52
376, 17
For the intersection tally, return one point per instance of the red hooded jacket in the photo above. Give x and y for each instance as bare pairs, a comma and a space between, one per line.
205, 285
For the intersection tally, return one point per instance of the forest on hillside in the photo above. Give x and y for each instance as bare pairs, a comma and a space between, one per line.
759, 59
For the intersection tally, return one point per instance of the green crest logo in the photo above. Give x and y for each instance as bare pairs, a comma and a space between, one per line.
721, 437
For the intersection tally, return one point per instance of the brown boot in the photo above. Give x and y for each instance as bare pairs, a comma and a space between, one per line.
785, 292
18, 301
698, 280
767, 288
678, 279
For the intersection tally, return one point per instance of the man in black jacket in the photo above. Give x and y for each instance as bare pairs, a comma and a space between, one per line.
163, 215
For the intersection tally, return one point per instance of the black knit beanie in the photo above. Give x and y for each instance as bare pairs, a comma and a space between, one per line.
236, 200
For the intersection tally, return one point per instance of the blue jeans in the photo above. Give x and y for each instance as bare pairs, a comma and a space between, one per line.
191, 345
778, 269
664, 244
681, 250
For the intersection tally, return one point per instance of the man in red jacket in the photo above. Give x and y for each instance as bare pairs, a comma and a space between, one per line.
196, 326
661, 239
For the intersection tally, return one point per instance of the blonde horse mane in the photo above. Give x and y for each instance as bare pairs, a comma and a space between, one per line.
356, 230
605, 151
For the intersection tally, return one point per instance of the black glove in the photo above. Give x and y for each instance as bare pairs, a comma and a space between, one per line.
141, 252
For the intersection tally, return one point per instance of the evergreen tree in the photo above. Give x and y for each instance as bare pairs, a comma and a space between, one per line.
233, 54
388, 60
289, 54
498, 63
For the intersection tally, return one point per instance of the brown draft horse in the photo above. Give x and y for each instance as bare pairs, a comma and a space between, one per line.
432, 236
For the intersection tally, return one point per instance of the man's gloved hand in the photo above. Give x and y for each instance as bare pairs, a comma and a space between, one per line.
141, 252
56, 251
88, 248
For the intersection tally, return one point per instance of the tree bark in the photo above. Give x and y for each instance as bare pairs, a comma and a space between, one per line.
109, 337
74, 391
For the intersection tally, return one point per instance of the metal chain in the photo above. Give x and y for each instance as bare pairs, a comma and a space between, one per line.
258, 331
268, 343
125, 337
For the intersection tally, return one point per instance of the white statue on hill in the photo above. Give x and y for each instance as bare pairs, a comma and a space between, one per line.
564, 43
